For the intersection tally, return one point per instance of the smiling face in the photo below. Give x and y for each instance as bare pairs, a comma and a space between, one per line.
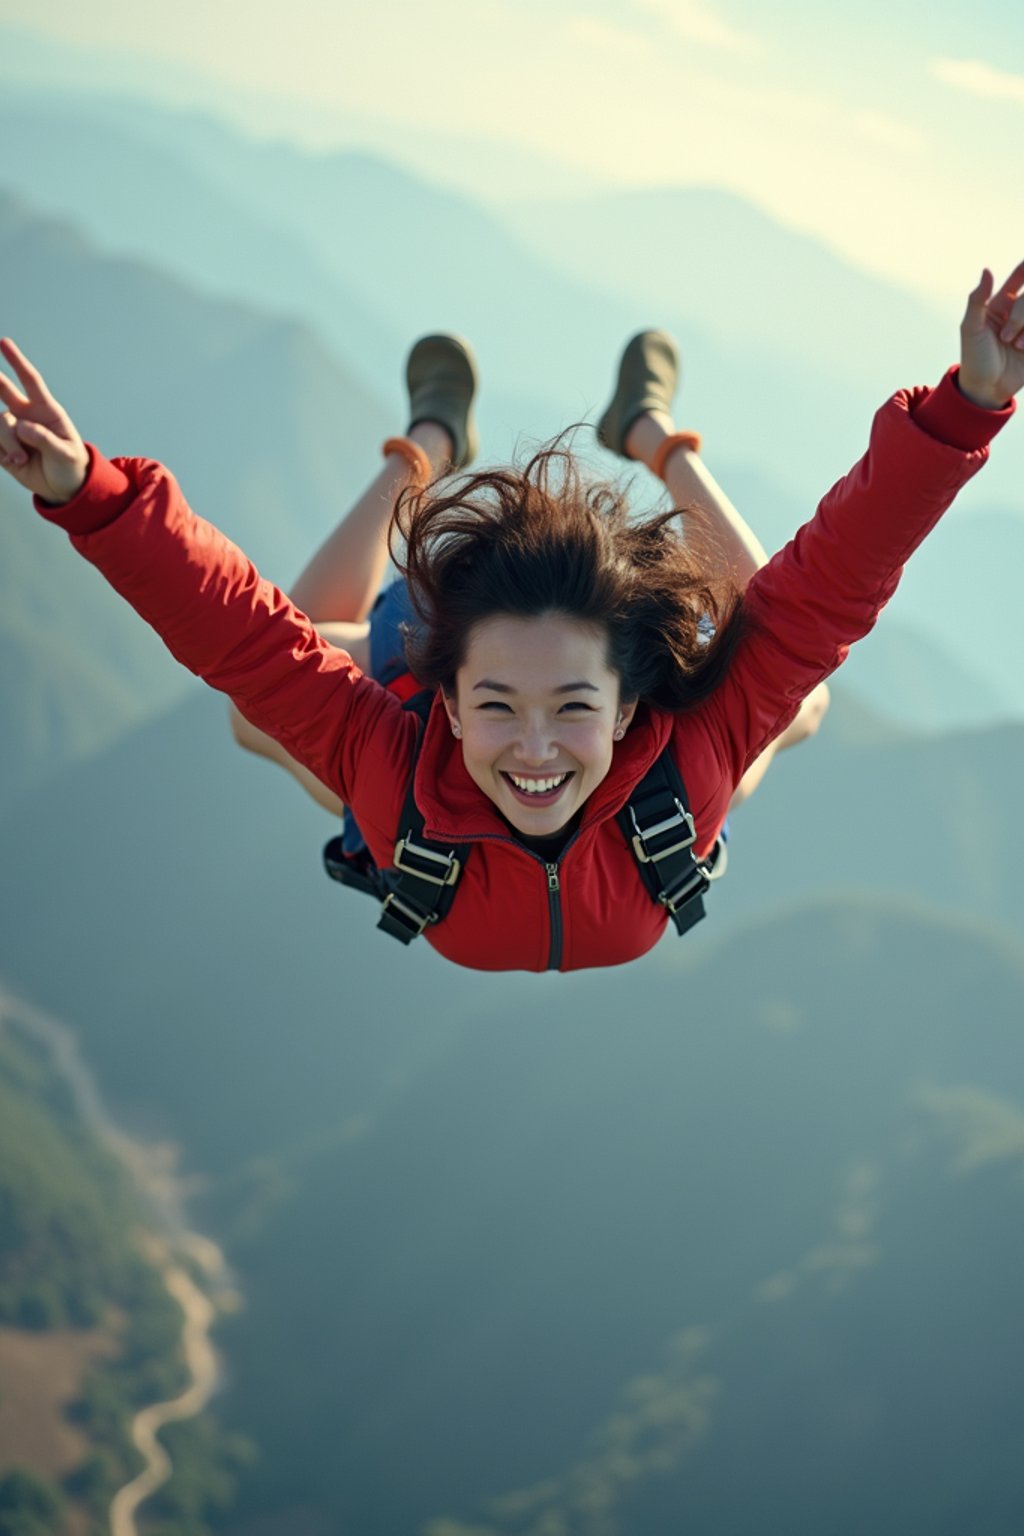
537, 709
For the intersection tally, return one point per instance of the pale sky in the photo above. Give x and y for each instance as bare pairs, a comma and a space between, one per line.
891, 132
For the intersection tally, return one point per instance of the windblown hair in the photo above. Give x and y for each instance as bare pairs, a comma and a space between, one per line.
541, 539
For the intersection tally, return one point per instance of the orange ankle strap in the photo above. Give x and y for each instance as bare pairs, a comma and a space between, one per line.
415, 456
691, 440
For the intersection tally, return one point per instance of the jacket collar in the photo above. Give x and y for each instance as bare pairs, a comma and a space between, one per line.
457, 810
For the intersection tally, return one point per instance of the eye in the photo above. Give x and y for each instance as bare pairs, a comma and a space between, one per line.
578, 704
495, 704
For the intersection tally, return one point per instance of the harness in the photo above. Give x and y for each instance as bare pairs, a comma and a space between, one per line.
419, 886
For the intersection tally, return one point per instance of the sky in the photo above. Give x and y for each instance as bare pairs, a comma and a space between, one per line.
891, 133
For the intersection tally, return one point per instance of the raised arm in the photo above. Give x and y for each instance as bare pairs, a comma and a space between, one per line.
827, 587
207, 601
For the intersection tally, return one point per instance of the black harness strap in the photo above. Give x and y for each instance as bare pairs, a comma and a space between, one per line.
657, 824
419, 887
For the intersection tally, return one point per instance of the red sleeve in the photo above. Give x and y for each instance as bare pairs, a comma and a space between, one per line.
827, 587
243, 636
106, 493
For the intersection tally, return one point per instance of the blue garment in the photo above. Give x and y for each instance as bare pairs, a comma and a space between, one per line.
392, 609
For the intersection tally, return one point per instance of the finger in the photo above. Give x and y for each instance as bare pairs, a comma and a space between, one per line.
31, 378
1011, 288
978, 304
33, 435
12, 450
11, 396
1012, 329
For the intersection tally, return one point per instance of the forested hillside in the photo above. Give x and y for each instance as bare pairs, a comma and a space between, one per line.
72, 1275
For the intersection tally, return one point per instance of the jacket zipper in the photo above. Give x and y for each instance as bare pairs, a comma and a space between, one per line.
555, 914
554, 885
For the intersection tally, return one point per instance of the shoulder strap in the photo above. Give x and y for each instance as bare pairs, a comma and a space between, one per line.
419, 887
658, 827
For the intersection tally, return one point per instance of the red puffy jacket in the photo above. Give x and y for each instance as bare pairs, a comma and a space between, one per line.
823, 591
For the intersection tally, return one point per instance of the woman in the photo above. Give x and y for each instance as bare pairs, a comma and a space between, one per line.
340, 587
559, 680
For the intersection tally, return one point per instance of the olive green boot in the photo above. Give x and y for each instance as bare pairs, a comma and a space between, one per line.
442, 380
648, 376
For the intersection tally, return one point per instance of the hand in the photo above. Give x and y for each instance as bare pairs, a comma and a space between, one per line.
38, 442
992, 341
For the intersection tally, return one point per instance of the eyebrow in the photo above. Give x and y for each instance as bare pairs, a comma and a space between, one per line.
564, 687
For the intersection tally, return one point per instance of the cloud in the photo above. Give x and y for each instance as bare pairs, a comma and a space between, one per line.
978, 79
657, 1421
698, 23
984, 1127
847, 1249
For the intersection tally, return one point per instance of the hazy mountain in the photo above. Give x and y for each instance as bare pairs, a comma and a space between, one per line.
709, 256
346, 238
929, 815
58, 704
123, 86
958, 597
264, 428
186, 222
960, 589
922, 683
429, 258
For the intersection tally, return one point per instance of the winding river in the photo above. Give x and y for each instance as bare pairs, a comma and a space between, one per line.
201, 1362
153, 1174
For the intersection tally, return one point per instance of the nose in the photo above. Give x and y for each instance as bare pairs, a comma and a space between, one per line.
536, 744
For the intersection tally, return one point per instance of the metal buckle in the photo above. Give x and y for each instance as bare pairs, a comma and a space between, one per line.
408, 916
452, 867
681, 818
695, 884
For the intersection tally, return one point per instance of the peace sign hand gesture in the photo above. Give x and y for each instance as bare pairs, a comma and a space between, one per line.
39, 445
992, 340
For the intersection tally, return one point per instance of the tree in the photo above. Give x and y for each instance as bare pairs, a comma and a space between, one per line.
29, 1505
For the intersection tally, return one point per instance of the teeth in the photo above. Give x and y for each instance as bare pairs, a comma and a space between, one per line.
537, 786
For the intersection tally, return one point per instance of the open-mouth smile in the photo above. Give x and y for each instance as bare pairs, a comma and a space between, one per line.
531, 791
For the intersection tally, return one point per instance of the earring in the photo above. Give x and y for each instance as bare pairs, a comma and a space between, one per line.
456, 731
618, 735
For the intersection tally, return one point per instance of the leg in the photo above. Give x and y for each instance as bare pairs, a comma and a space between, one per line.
638, 424
692, 485
343, 578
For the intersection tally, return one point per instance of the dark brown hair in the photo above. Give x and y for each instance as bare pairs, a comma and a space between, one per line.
541, 539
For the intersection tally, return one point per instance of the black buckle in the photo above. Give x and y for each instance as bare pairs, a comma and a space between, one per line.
682, 818
406, 849
412, 919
